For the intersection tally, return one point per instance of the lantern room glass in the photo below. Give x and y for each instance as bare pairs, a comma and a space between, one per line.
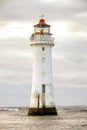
42, 30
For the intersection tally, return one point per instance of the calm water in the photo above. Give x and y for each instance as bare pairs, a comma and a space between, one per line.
69, 118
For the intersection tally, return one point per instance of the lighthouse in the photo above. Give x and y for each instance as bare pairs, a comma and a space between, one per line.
42, 93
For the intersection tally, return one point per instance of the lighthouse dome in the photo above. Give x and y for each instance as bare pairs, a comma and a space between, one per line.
42, 23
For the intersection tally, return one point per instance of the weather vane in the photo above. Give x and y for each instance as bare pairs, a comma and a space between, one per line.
42, 16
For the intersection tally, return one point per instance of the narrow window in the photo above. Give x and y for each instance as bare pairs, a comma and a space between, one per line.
43, 88
43, 59
43, 48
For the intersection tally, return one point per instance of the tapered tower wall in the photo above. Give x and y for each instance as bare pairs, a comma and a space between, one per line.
42, 94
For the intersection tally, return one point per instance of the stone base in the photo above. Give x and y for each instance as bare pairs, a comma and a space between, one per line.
41, 112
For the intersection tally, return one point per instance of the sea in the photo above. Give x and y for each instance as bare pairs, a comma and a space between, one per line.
68, 118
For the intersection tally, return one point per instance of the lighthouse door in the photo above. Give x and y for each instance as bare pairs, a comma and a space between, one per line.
43, 98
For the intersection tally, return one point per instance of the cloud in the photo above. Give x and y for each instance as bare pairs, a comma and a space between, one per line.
71, 96
82, 15
15, 29
72, 12
70, 62
29, 9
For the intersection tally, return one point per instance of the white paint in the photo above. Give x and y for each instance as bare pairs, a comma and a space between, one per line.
45, 39
42, 70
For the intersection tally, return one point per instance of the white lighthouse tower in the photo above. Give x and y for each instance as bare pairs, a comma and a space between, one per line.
42, 94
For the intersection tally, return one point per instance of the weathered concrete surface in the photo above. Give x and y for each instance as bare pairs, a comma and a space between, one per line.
69, 118
42, 111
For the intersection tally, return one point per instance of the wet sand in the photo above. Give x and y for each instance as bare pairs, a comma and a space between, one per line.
69, 118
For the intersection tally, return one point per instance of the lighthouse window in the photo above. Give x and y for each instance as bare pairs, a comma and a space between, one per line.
43, 59
43, 48
46, 30
37, 30
43, 88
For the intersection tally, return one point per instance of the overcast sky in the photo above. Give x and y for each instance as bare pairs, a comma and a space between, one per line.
68, 20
